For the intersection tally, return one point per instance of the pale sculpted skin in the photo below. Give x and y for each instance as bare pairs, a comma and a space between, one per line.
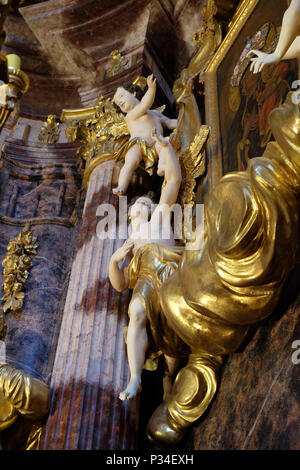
288, 46
141, 122
146, 231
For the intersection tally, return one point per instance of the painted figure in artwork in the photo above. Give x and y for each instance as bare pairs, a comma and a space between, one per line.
259, 98
141, 121
154, 257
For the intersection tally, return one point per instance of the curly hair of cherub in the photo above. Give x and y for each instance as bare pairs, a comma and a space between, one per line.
134, 89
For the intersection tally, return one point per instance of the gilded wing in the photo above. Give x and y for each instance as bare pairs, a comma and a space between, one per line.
193, 165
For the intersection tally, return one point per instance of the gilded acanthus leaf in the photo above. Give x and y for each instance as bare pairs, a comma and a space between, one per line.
103, 132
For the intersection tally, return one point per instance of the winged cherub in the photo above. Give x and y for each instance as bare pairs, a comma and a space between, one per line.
141, 121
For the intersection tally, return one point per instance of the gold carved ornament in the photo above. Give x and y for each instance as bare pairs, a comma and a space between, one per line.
101, 133
189, 127
207, 40
192, 165
21, 396
117, 63
49, 132
17, 264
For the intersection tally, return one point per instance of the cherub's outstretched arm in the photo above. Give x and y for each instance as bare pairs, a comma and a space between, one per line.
288, 46
147, 100
169, 123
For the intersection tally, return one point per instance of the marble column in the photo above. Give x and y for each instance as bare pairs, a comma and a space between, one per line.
90, 367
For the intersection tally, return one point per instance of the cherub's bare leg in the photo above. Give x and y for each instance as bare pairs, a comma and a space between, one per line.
161, 147
132, 161
169, 167
169, 375
137, 342
161, 167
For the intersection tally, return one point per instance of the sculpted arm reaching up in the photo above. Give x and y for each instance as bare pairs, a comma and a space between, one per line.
288, 46
146, 102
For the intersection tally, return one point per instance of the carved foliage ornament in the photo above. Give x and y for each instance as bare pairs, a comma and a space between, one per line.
49, 132
17, 264
104, 132
117, 63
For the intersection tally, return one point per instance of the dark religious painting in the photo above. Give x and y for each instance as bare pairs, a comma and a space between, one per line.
246, 99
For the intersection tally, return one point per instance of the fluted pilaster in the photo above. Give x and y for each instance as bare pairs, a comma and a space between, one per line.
90, 367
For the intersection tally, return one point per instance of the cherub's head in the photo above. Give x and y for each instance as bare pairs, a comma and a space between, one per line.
127, 97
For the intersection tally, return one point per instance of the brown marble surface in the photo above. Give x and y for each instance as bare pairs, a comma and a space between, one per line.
257, 406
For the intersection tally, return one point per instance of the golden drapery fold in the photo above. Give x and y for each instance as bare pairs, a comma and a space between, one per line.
150, 267
21, 394
24, 404
251, 244
148, 152
252, 222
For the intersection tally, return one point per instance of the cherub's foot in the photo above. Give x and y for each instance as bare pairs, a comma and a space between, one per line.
119, 191
132, 389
